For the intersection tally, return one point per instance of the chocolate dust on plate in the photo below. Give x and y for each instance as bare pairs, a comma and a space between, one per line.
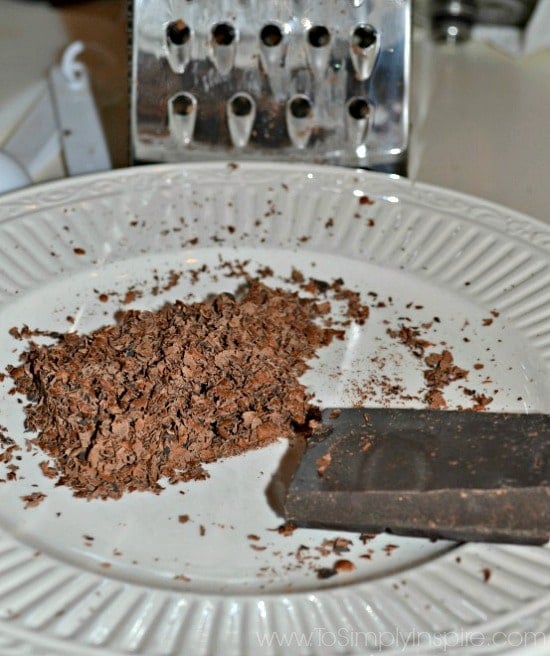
158, 394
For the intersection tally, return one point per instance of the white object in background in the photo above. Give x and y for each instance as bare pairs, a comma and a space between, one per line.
24, 68
517, 42
12, 174
537, 32
80, 129
34, 143
63, 119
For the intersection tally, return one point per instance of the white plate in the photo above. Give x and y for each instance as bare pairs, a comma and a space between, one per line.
457, 257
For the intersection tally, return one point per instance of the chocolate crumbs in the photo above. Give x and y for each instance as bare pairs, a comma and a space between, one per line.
161, 393
322, 463
411, 338
286, 529
343, 565
366, 537
33, 499
326, 572
441, 372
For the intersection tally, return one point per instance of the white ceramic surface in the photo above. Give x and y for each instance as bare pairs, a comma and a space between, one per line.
455, 256
12, 174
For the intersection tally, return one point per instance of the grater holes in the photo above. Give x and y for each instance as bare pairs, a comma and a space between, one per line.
318, 36
358, 109
299, 120
241, 104
271, 35
357, 120
363, 37
223, 34
300, 107
364, 47
241, 114
273, 48
323, 51
183, 104
178, 32
182, 116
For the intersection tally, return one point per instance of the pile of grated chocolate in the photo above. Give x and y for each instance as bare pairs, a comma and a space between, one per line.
160, 393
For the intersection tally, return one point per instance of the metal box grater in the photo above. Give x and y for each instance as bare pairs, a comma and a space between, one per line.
324, 81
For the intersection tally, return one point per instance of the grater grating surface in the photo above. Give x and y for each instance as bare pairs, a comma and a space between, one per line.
325, 81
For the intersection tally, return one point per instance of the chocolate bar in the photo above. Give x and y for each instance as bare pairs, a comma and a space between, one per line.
439, 474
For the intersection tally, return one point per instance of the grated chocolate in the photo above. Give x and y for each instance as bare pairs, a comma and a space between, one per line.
159, 394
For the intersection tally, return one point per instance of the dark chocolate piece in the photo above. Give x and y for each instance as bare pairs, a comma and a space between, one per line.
456, 475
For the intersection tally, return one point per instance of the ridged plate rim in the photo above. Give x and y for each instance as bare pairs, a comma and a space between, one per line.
528, 613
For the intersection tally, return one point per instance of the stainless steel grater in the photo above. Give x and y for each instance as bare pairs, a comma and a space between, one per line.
324, 81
